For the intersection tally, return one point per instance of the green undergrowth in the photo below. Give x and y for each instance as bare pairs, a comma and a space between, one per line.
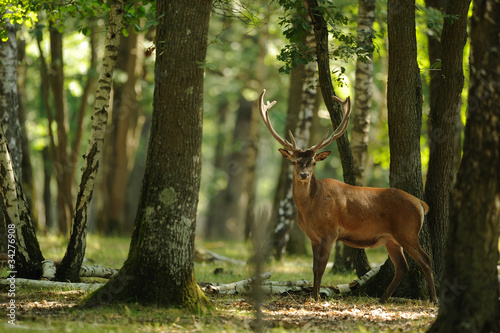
56, 310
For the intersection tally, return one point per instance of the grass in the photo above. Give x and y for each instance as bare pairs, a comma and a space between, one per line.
51, 309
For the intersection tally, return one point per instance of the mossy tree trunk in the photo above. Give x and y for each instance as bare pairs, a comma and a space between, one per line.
159, 269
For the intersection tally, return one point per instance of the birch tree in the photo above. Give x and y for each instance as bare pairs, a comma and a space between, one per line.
70, 265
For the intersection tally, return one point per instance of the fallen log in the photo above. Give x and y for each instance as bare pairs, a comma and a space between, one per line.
49, 271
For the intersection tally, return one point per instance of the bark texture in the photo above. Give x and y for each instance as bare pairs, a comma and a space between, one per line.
69, 268
159, 269
470, 297
23, 249
404, 105
443, 116
361, 111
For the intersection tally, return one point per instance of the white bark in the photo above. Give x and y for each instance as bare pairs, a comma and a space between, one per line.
281, 287
97, 271
52, 284
49, 271
72, 261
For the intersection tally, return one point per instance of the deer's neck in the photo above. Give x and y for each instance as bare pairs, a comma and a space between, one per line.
303, 192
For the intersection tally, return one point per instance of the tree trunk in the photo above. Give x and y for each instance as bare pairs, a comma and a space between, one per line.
361, 117
253, 135
435, 56
443, 117
212, 226
227, 222
22, 244
63, 164
122, 138
9, 111
334, 109
404, 104
162, 247
28, 183
47, 196
470, 298
306, 105
70, 265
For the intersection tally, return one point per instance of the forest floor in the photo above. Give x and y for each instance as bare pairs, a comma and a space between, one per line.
56, 310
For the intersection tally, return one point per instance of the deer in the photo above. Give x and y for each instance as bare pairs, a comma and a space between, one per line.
329, 210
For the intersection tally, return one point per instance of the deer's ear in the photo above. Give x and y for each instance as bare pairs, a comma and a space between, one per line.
321, 156
286, 154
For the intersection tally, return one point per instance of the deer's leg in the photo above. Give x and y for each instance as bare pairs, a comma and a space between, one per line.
400, 267
425, 262
321, 254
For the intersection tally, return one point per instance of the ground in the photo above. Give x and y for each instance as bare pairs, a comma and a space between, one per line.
55, 310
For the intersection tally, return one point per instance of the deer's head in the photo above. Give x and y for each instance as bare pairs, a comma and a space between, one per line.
305, 160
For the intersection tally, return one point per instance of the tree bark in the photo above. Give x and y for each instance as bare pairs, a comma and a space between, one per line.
470, 297
162, 246
361, 113
404, 104
23, 249
69, 268
334, 109
9, 110
443, 117
27, 181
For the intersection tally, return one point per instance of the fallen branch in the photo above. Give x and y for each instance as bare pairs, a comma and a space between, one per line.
97, 271
49, 271
241, 287
209, 256
282, 287
51, 284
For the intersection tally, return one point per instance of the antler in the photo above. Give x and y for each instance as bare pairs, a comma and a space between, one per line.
265, 116
346, 107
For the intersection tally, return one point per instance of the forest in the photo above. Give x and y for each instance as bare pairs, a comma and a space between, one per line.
148, 184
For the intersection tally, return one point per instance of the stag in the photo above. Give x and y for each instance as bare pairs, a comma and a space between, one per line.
362, 217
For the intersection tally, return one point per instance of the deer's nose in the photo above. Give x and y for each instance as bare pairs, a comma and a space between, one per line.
304, 175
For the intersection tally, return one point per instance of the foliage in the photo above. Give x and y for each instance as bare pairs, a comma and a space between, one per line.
17, 12
296, 25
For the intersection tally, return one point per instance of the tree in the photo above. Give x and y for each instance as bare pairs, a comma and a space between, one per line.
9, 107
470, 299
162, 246
69, 269
404, 103
325, 82
442, 119
361, 118
22, 244
302, 106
